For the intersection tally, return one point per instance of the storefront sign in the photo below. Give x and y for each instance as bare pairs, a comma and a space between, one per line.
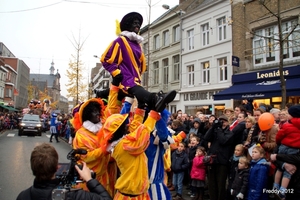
193, 96
252, 95
271, 74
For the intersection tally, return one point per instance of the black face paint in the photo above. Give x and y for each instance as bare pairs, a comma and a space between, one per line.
135, 26
95, 116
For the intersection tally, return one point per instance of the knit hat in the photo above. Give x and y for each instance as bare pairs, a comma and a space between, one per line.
294, 111
128, 19
223, 117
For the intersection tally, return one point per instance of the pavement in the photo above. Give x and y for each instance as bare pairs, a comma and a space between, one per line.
186, 196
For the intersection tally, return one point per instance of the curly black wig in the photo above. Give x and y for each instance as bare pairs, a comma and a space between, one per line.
86, 114
128, 19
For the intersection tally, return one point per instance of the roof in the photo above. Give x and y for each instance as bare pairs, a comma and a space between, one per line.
49, 78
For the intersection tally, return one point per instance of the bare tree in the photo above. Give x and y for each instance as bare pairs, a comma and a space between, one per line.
75, 86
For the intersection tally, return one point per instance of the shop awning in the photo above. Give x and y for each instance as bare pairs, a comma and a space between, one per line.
263, 89
9, 108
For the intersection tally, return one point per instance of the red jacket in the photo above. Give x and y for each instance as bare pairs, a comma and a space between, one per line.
289, 134
198, 168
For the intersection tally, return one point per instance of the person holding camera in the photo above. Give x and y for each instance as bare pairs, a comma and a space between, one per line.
221, 139
44, 164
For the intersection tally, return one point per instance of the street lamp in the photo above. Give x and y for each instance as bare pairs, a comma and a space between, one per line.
167, 7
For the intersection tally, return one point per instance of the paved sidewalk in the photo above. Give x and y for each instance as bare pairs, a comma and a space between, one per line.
186, 196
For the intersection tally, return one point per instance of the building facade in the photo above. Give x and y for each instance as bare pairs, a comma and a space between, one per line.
256, 43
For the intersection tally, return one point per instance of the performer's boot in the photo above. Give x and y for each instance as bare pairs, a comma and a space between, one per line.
162, 99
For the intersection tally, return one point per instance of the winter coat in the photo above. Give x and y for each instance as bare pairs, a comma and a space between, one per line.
238, 133
221, 144
258, 178
198, 171
180, 161
192, 153
289, 134
240, 183
234, 161
43, 190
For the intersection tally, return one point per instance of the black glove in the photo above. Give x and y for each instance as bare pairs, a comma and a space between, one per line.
117, 80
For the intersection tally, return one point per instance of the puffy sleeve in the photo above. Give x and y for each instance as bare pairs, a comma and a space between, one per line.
82, 141
111, 58
137, 141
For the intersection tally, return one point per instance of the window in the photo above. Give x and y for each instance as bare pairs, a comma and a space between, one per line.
190, 36
156, 73
264, 46
221, 23
223, 69
176, 67
191, 75
205, 34
291, 47
176, 33
156, 42
8, 92
295, 39
145, 48
166, 38
166, 71
205, 72
145, 79
270, 45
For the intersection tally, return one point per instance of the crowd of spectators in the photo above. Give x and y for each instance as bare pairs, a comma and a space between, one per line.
235, 138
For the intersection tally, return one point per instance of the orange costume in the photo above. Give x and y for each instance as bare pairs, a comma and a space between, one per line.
97, 158
129, 153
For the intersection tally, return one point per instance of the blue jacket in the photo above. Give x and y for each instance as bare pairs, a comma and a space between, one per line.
258, 178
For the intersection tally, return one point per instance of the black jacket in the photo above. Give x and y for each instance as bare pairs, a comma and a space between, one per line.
221, 144
43, 191
238, 133
240, 183
179, 161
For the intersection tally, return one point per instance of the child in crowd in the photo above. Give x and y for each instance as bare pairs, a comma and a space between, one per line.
234, 161
239, 188
289, 138
192, 148
258, 175
198, 173
187, 140
180, 162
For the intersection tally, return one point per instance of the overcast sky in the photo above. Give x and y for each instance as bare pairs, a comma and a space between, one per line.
39, 31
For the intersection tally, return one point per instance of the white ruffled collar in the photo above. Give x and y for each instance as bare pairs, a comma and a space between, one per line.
132, 36
110, 147
94, 128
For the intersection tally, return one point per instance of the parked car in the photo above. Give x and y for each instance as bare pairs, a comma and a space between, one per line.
31, 125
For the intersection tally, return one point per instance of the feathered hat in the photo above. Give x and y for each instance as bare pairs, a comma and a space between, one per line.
78, 110
127, 19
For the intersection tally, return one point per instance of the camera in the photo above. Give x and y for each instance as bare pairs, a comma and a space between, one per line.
218, 123
67, 174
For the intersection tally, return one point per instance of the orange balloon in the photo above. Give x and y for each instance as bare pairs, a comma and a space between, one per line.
266, 121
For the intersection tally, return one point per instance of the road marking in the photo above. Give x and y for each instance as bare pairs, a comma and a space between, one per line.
48, 136
11, 135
